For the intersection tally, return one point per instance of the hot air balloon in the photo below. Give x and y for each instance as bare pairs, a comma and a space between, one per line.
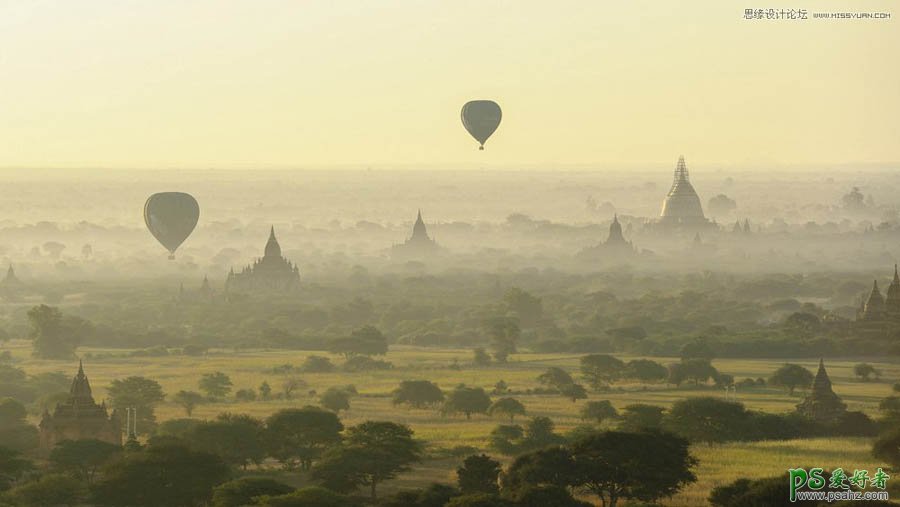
481, 118
171, 217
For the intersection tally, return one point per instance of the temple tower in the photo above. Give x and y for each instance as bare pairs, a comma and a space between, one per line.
822, 404
79, 417
682, 204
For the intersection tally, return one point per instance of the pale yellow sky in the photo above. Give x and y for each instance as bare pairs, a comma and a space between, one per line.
310, 83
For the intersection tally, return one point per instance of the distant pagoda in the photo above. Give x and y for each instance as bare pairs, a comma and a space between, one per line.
615, 245
11, 287
681, 207
79, 417
270, 273
419, 244
11, 280
876, 307
742, 229
822, 404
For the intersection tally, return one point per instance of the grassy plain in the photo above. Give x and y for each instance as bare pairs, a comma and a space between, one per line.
719, 464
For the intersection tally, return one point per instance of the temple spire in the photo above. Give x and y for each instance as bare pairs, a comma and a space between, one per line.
273, 249
420, 232
681, 172
822, 404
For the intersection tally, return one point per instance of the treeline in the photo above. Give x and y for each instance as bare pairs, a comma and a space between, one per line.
556, 312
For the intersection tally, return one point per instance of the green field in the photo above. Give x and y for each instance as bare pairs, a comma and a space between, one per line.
719, 464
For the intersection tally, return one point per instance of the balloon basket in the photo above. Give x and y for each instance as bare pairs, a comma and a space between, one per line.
171, 257
481, 148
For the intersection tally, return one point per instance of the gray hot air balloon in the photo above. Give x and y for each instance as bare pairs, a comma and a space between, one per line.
171, 217
481, 118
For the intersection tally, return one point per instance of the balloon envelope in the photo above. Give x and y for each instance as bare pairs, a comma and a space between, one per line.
481, 118
171, 217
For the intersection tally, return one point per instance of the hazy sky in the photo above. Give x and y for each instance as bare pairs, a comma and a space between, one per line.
309, 83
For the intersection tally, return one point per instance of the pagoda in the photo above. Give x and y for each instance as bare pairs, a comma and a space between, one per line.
822, 404
681, 208
419, 244
615, 245
270, 273
79, 417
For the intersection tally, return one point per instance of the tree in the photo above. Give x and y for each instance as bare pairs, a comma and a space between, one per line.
551, 466
335, 399
245, 395
887, 447
791, 376
641, 417
640, 466
555, 377
504, 333
467, 400
645, 370
179, 428
317, 364
695, 370
364, 341
539, 433
435, 495
160, 476
55, 336
417, 394
241, 492
290, 385
890, 407
598, 370
479, 474
598, 411
865, 371
372, 453
15, 432
12, 467
573, 392
216, 385
526, 307
699, 348
12, 412
543, 496
265, 390
480, 357
139, 393
507, 439
506, 407
705, 419
300, 435
310, 496
188, 400
803, 323
49, 489
237, 439
82, 458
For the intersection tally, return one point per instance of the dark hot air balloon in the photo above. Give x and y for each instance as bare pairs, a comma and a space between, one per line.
171, 217
481, 118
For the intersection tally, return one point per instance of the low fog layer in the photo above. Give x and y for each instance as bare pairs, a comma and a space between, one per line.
58, 225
